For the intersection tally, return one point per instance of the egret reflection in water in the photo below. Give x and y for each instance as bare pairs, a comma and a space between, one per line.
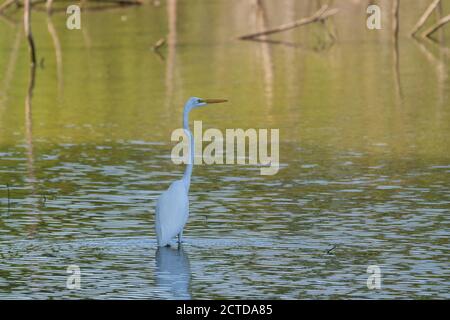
173, 272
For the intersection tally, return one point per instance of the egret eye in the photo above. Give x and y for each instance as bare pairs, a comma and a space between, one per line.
200, 101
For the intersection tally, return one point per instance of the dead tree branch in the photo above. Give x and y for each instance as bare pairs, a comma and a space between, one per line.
322, 14
425, 16
436, 26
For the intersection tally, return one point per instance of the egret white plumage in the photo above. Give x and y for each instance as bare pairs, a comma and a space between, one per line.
172, 207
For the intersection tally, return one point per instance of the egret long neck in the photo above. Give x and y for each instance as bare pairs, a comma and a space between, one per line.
188, 171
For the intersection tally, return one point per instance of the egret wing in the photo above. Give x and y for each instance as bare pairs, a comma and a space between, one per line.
172, 211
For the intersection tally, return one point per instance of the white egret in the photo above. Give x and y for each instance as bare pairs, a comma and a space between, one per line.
172, 207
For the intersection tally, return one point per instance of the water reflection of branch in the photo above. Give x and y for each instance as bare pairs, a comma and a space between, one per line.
29, 113
86, 36
266, 54
28, 109
293, 45
173, 272
428, 54
5, 5
155, 48
11, 65
29, 122
109, 6
28, 33
441, 69
9, 197
9, 21
171, 48
58, 52
159, 55
395, 31
29, 144
330, 26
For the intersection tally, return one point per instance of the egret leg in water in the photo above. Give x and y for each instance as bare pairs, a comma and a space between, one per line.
172, 207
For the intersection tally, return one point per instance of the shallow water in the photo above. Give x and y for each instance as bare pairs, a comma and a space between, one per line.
364, 177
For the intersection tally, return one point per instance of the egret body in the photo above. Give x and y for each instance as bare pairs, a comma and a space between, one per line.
172, 207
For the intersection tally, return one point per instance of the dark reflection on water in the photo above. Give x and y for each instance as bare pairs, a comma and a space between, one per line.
255, 239
364, 161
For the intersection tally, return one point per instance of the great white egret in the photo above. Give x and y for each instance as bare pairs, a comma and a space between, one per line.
172, 207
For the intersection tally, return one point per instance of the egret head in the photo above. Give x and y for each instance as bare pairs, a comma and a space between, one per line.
195, 102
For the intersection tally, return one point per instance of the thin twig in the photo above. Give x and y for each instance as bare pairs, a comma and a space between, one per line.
329, 250
160, 43
155, 48
425, 16
320, 15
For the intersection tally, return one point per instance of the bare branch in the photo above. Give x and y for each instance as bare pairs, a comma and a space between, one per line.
320, 15
425, 16
436, 26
